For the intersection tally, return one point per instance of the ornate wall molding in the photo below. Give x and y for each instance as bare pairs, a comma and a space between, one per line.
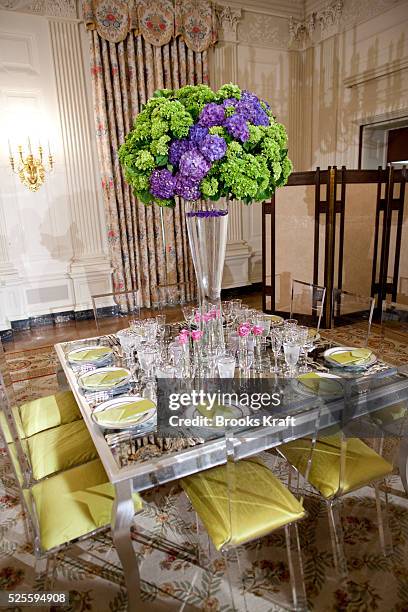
264, 30
302, 32
48, 8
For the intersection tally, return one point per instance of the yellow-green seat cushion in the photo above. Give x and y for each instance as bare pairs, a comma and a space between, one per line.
46, 412
260, 503
60, 448
363, 465
391, 414
74, 503
5, 427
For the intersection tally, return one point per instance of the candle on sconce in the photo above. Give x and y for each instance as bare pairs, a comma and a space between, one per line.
29, 146
9, 148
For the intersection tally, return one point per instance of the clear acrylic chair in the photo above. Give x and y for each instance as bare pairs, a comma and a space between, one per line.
334, 465
243, 501
48, 434
173, 297
113, 310
307, 303
64, 508
392, 421
350, 309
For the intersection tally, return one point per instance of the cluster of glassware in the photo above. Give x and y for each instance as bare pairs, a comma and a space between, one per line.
199, 349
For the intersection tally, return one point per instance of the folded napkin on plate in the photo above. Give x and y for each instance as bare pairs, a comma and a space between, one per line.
105, 379
91, 354
319, 384
216, 410
125, 412
349, 357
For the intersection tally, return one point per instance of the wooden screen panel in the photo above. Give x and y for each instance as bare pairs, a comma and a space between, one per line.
294, 239
358, 246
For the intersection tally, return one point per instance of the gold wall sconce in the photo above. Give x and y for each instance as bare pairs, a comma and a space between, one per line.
30, 169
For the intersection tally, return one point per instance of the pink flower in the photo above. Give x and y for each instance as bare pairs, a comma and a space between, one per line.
257, 330
183, 336
197, 334
197, 317
206, 317
214, 313
244, 330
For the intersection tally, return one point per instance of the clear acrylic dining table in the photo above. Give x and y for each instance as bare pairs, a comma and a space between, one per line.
369, 392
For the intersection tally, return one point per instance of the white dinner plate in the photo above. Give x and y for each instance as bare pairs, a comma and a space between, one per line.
139, 419
303, 390
85, 381
354, 366
76, 352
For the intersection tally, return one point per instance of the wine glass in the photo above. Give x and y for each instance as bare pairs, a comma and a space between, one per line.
302, 335
276, 341
147, 357
245, 360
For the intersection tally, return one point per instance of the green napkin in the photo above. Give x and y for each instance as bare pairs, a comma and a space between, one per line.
105, 379
216, 410
319, 384
349, 357
124, 413
90, 354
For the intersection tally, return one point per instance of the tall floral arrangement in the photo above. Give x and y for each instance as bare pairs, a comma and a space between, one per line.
196, 143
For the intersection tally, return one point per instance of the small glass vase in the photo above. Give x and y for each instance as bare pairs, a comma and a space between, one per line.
207, 226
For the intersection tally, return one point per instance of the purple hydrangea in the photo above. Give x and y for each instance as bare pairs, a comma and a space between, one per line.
194, 165
213, 147
176, 150
249, 107
230, 102
187, 188
162, 184
212, 114
237, 127
197, 134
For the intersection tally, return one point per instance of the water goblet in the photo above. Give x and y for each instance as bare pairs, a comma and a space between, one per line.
308, 347
290, 323
291, 349
147, 357
226, 366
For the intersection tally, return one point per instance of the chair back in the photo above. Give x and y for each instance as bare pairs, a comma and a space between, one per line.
111, 309
307, 303
173, 296
355, 310
394, 332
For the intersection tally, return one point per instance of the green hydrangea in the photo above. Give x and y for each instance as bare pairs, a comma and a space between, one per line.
144, 160
229, 90
209, 187
160, 146
256, 133
271, 149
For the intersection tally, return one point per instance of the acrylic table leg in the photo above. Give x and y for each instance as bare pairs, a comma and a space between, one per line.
122, 517
403, 461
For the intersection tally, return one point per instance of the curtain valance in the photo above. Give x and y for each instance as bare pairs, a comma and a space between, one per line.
158, 21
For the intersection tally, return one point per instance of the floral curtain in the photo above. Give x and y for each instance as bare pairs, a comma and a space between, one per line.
126, 70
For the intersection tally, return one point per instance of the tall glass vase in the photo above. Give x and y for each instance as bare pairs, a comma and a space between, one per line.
207, 225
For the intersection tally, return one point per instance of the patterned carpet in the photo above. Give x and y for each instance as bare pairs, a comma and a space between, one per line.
165, 533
